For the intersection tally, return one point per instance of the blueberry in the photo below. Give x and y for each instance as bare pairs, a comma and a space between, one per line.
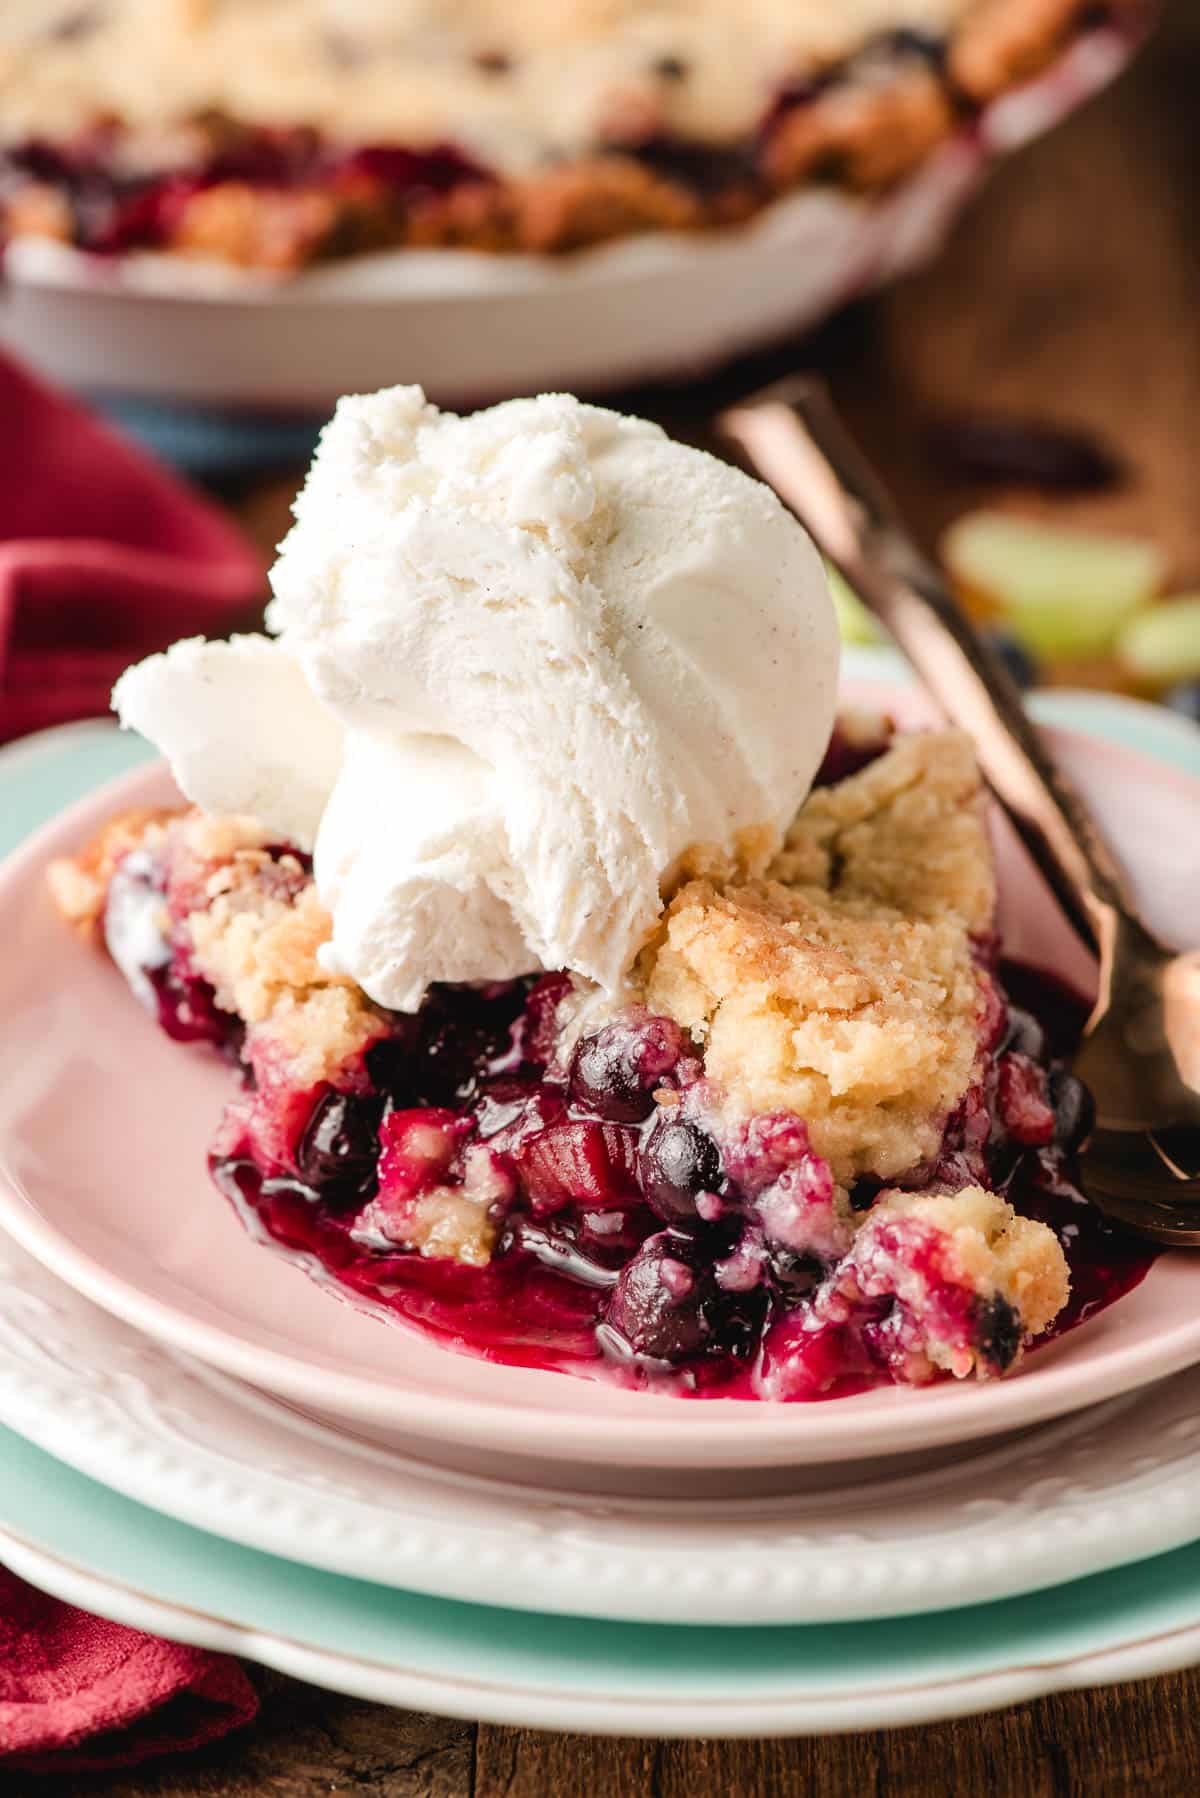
340, 1146
614, 1072
1185, 699
603, 1080
864, 1192
1025, 1035
793, 1276
390, 1064
1074, 1110
999, 1332
1016, 658
677, 1161
465, 1034
667, 1308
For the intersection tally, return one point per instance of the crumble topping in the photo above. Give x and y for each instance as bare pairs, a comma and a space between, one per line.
843, 986
971, 1239
997, 1250
256, 946
252, 924
1005, 41
906, 832
79, 883
255, 936
872, 132
450, 1222
956, 1283
835, 981
318, 1031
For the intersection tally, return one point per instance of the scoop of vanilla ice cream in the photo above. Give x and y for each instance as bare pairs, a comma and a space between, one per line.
242, 728
536, 654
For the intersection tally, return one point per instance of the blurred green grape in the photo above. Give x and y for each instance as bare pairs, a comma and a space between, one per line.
1064, 594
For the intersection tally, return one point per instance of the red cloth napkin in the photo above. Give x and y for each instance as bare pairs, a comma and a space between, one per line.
104, 557
78, 1693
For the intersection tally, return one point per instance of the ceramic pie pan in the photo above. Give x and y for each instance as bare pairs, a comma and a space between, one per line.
104, 1126
472, 327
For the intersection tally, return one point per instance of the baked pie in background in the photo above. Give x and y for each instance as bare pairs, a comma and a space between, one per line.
275, 133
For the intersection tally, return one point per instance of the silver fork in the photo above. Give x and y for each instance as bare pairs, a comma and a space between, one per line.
1140, 1053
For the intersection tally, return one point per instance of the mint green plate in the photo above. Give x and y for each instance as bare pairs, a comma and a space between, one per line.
91, 1546
96, 1549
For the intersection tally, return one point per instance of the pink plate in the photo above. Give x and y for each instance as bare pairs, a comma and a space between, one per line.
104, 1126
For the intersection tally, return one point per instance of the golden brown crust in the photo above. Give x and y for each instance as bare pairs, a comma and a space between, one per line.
907, 832
39, 210
593, 201
320, 1031
843, 987
866, 136
997, 1252
255, 938
254, 925
242, 224
1004, 42
255, 947
79, 883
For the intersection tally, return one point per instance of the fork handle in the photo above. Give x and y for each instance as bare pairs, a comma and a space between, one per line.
792, 438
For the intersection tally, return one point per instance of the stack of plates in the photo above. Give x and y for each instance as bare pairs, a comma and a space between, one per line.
195, 1438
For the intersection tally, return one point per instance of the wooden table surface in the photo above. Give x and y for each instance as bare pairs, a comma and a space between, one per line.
1071, 292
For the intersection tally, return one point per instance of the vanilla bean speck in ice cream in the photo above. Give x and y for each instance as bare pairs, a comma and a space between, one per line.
520, 662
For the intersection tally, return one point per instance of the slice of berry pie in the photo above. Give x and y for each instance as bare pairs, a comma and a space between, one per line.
818, 1145
277, 133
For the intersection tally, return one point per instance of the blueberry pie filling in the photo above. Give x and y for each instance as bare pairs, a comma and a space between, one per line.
828, 1141
273, 137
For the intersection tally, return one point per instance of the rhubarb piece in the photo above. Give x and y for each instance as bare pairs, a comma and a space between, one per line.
1160, 646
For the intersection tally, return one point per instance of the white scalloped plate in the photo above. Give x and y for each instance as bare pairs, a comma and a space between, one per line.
1113, 1485
104, 1126
471, 326
94, 1549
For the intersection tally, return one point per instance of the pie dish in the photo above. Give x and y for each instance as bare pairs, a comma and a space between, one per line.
827, 1145
286, 133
